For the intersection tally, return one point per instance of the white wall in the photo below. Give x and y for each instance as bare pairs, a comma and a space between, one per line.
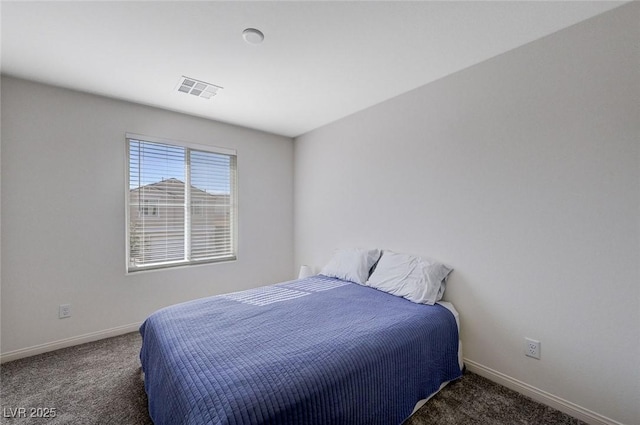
63, 214
523, 173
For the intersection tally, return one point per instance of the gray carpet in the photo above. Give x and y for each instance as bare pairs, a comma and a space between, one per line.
101, 383
476, 400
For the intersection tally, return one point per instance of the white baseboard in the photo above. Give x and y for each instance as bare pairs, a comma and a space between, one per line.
68, 342
539, 395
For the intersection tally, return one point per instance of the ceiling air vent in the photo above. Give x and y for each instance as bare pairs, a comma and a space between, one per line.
197, 88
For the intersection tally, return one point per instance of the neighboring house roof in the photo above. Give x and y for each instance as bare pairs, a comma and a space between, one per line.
174, 188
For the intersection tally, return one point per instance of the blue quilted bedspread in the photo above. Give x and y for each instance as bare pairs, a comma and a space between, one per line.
310, 351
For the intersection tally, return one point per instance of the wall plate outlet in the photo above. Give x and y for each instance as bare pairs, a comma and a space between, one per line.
532, 348
64, 311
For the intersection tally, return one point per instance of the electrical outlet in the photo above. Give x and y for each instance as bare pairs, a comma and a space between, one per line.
64, 311
532, 348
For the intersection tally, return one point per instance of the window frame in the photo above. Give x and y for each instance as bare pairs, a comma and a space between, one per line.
233, 197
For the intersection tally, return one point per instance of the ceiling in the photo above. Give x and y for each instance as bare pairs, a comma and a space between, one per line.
319, 62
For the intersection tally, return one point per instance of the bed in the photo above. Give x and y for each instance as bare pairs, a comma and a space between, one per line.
317, 350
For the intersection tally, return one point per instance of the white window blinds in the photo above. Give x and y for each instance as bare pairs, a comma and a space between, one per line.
181, 205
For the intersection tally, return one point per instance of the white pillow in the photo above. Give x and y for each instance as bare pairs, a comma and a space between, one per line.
414, 278
351, 264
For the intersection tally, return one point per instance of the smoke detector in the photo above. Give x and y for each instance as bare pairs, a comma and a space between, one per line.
253, 36
198, 88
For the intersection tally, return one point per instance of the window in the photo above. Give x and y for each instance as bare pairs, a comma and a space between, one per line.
149, 207
181, 204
